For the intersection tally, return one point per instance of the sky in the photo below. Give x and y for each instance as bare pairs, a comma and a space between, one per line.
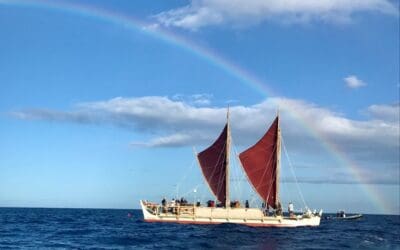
105, 103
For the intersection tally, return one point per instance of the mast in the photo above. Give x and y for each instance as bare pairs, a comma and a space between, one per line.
278, 159
228, 145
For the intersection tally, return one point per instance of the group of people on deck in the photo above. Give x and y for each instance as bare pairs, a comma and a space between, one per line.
170, 206
278, 211
173, 204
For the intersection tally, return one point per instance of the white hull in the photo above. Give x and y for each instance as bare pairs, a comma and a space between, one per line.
207, 215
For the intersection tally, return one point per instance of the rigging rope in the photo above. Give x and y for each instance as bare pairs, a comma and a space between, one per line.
184, 177
237, 173
293, 173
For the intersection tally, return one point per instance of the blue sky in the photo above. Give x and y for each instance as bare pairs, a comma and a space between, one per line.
96, 112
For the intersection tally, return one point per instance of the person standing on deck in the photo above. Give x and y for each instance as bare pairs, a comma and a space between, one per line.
172, 206
164, 204
279, 209
291, 209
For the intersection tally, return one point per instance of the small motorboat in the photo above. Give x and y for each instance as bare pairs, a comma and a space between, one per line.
341, 215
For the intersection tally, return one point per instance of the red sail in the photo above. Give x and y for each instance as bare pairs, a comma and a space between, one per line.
213, 164
260, 165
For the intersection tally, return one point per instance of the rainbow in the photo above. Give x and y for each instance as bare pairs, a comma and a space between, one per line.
211, 57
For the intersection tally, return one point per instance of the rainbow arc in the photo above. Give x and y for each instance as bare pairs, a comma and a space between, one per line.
213, 58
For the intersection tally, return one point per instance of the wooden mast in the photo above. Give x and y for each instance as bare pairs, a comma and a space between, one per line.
228, 145
278, 160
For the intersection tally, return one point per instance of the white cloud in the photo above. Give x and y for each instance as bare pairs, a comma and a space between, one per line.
353, 82
174, 140
197, 99
385, 112
200, 13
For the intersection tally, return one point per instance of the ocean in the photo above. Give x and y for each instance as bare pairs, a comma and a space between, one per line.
50, 228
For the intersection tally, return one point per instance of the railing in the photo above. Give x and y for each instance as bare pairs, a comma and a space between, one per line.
184, 209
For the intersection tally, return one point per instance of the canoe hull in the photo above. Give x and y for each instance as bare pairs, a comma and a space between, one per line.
250, 217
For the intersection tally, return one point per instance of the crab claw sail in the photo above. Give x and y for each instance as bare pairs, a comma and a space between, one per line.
213, 163
261, 164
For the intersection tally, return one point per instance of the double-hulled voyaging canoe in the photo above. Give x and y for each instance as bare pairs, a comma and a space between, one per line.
261, 163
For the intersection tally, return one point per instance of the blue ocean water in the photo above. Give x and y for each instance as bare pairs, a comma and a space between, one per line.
24, 228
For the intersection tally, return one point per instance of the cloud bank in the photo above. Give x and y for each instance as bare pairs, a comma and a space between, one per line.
174, 122
186, 122
201, 13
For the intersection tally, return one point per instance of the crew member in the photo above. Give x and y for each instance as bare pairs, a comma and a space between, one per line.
291, 209
279, 209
